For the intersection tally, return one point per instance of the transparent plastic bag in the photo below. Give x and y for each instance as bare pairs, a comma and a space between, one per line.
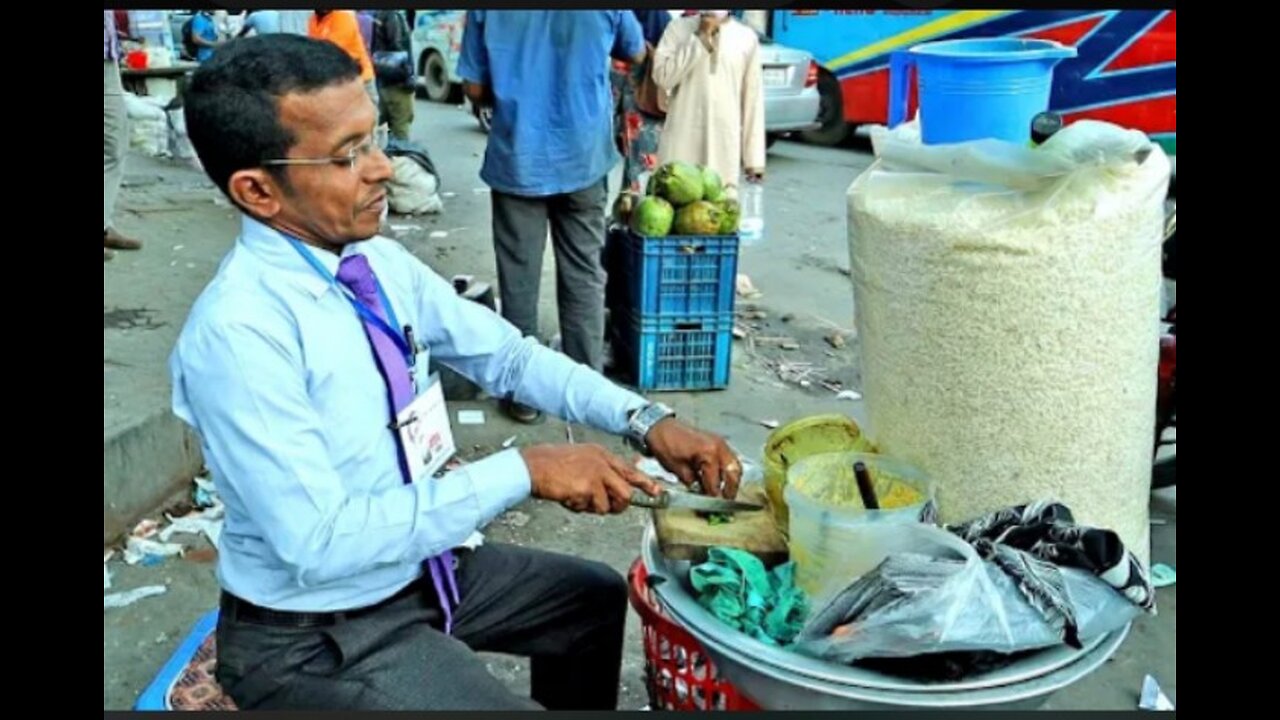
935, 594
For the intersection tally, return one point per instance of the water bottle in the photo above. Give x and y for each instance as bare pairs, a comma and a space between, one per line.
751, 220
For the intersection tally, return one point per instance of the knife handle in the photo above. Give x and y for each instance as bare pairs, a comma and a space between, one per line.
640, 498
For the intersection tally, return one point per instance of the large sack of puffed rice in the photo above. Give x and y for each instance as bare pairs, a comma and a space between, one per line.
1007, 299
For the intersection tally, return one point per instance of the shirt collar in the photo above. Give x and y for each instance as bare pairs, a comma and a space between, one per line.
277, 250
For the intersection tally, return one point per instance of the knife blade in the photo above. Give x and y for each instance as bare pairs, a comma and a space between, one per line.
690, 501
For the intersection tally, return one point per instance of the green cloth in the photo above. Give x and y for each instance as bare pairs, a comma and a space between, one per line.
736, 588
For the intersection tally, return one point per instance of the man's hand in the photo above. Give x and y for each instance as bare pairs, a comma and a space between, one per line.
584, 478
697, 458
644, 55
477, 93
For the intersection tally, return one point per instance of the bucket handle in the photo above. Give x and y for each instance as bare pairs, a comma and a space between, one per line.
900, 66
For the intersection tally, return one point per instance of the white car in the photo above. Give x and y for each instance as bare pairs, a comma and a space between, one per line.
791, 98
437, 45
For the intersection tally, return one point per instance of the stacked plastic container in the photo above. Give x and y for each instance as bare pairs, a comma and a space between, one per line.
672, 303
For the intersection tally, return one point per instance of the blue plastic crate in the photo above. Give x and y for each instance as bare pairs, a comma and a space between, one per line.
664, 353
679, 275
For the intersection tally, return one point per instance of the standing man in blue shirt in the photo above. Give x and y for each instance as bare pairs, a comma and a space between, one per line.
303, 366
546, 74
204, 34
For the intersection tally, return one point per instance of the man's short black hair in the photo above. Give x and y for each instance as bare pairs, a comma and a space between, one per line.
232, 103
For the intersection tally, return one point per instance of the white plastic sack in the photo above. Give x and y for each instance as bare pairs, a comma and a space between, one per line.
1007, 300
143, 107
148, 125
179, 143
413, 190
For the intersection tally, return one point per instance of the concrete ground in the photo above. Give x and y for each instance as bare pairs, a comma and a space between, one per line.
801, 270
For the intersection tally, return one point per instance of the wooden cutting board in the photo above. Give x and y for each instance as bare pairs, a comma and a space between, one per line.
683, 535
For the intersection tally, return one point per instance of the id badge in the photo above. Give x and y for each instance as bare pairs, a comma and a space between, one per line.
425, 433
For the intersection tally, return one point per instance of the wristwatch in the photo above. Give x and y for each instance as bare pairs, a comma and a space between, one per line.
643, 420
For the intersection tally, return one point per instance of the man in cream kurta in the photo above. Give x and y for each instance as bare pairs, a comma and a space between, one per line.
715, 117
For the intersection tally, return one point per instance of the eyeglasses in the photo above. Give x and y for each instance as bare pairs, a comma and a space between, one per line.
378, 140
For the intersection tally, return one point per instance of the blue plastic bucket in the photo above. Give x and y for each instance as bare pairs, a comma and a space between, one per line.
976, 89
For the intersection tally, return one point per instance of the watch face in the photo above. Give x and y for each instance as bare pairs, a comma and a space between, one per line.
646, 418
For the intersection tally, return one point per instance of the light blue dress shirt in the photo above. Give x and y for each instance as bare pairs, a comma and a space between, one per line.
275, 373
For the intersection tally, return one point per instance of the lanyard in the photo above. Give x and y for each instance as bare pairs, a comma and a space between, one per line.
368, 315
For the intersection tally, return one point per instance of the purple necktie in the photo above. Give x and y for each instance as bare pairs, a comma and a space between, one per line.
355, 273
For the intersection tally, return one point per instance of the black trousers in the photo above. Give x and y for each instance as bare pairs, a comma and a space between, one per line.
565, 613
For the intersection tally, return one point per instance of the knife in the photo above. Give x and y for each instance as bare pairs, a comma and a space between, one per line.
689, 501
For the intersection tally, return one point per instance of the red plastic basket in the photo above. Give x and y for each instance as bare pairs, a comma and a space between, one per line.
678, 673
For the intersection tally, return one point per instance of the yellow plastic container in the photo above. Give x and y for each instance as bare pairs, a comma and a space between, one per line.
834, 538
798, 440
